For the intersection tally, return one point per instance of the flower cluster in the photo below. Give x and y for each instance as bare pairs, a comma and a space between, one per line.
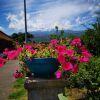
2, 61
17, 74
26, 51
70, 56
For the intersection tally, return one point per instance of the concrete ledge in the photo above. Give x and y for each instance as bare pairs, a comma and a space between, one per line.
44, 89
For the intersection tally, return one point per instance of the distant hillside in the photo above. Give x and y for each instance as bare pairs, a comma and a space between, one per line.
43, 36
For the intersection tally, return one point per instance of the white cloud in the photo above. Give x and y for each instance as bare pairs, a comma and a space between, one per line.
49, 15
1, 28
78, 20
16, 21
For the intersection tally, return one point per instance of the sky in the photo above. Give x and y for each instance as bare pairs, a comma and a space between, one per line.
44, 15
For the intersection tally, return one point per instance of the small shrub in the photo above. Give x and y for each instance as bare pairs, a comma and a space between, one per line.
89, 77
91, 38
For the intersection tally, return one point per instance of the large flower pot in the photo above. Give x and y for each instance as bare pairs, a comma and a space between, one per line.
42, 67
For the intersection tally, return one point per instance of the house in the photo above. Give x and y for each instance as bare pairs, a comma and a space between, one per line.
5, 41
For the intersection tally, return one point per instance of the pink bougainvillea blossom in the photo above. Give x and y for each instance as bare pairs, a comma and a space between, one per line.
69, 52
83, 59
17, 74
61, 58
58, 74
2, 61
75, 69
61, 49
67, 66
76, 41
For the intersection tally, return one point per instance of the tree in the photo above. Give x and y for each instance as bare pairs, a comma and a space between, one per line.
91, 38
20, 37
56, 27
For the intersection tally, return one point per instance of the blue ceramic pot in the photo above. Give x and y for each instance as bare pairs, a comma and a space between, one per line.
43, 67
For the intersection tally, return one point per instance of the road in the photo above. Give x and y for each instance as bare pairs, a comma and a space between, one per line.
6, 78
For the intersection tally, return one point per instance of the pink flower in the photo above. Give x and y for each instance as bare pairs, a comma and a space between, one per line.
54, 41
69, 52
83, 48
30, 59
61, 49
50, 45
6, 50
5, 53
28, 46
19, 49
67, 66
83, 59
32, 50
61, 58
58, 74
76, 42
17, 74
12, 54
16, 54
17, 43
86, 54
75, 69
1, 62
73, 57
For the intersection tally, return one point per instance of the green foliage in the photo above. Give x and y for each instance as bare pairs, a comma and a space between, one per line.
20, 37
72, 36
89, 77
56, 27
18, 91
62, 97
91, 38
53, 36
58, 35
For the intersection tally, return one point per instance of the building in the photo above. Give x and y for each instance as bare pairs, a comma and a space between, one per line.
5, 41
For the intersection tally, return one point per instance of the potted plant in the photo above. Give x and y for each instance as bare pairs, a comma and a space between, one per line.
43, 60
60, 57
38, 59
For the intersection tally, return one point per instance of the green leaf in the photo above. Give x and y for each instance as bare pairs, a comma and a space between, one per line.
62, 97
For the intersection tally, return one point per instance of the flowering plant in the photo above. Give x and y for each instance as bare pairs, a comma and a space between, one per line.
69, 56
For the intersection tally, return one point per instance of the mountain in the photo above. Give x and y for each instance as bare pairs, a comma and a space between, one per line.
43, 36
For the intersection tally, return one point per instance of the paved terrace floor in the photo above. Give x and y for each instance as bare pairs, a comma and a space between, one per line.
6, 78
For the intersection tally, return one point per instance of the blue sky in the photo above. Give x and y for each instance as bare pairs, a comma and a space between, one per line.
46, 14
